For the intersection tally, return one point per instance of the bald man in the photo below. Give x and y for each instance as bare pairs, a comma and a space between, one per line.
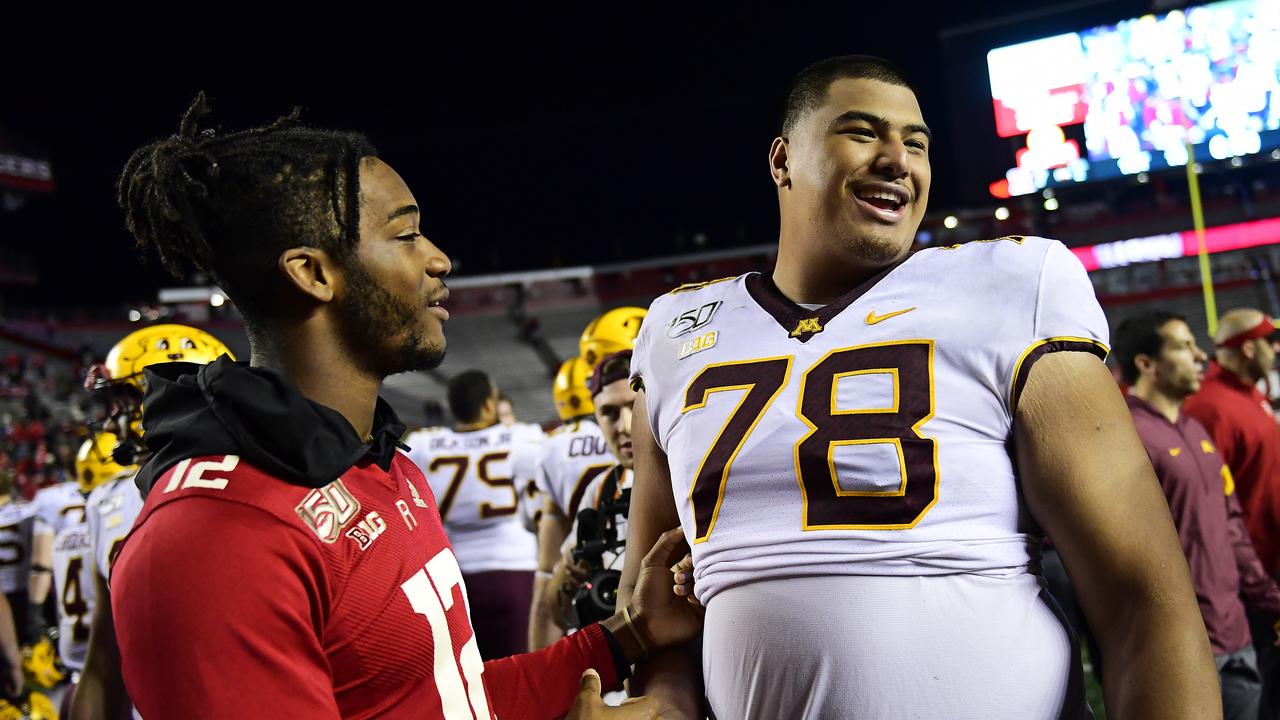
1242, 424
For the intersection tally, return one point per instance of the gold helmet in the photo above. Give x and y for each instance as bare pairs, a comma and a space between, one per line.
158, 344
42, 707
40, 663
570, 389
121, 382
94, 463
612, 332
32, 706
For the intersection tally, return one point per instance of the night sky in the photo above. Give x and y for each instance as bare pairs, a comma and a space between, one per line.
530, 140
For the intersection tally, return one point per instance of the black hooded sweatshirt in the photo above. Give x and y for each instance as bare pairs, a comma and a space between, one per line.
229, 408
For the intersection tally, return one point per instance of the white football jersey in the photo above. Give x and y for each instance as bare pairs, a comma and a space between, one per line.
57, 506
479, 478
73, 584
16, 524
872, 433
109, 514
573, 455
865, 438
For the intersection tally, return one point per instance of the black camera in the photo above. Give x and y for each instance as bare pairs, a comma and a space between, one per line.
597, 597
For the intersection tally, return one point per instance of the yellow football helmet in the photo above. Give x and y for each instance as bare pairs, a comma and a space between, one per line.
121, 382
94, 463
612, 332
40, 663
34, 706
158, 344
570, 389
41, 707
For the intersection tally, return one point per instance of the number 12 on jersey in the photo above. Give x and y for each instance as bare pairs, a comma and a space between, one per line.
827, 505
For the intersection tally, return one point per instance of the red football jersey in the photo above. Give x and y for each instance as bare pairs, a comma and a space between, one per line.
240, 595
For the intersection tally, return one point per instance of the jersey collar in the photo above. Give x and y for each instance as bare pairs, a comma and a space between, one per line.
802, 323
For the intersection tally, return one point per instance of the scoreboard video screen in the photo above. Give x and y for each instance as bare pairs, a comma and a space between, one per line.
1127, 98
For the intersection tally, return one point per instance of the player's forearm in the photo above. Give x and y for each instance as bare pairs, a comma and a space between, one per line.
542, 629
1157, 663
38, 585
674, 678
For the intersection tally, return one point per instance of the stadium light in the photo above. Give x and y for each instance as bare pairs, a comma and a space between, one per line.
1236, 162
217, 299
1143, 177
134, 316
1051, 204
1002, 213
950, 222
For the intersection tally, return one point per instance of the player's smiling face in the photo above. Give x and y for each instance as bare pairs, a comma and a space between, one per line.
858, 167
391, 310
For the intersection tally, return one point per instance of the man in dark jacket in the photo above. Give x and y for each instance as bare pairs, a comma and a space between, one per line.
1160, 359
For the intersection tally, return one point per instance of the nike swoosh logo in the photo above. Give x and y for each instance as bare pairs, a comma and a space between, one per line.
872, 318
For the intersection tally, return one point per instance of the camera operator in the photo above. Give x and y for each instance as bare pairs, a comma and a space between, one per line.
587, 577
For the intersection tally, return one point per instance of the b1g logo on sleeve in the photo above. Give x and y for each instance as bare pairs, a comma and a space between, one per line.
691, 320
326, 510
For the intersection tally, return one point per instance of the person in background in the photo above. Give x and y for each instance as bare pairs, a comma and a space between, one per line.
1163, 366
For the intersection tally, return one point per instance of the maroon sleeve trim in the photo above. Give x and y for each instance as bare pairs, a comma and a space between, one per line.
1038, 350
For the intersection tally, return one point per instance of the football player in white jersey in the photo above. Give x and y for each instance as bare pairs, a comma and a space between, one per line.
859, 445
113, 505
17, 523
55, 507
61, 515
476, 471
11, 671
575, 459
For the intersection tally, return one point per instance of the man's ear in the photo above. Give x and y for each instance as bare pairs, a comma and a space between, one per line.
310, 270
1144, 363
1248, 350
778, 162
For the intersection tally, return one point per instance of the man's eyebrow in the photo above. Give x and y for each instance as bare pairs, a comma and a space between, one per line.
874, 119
407, 209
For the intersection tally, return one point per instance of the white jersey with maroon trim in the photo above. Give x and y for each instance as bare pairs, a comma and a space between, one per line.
60, 512
480, 478
865, 438
57, 506
74, 590
574, 456
16, 524
109, 514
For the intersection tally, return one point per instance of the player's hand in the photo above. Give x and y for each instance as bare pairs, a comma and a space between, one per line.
663, 617
558, 592
589, 705
682, 573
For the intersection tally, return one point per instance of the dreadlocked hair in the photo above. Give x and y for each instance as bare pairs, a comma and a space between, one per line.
229, 204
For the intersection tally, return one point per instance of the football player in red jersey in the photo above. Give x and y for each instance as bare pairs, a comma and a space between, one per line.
286, 549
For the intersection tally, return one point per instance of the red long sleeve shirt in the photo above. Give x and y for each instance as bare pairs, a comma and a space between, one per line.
1243, 427
240, 595
1223, 564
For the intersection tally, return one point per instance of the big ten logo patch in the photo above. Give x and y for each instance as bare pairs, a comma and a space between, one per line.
698, 344
368, 529
326, 510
